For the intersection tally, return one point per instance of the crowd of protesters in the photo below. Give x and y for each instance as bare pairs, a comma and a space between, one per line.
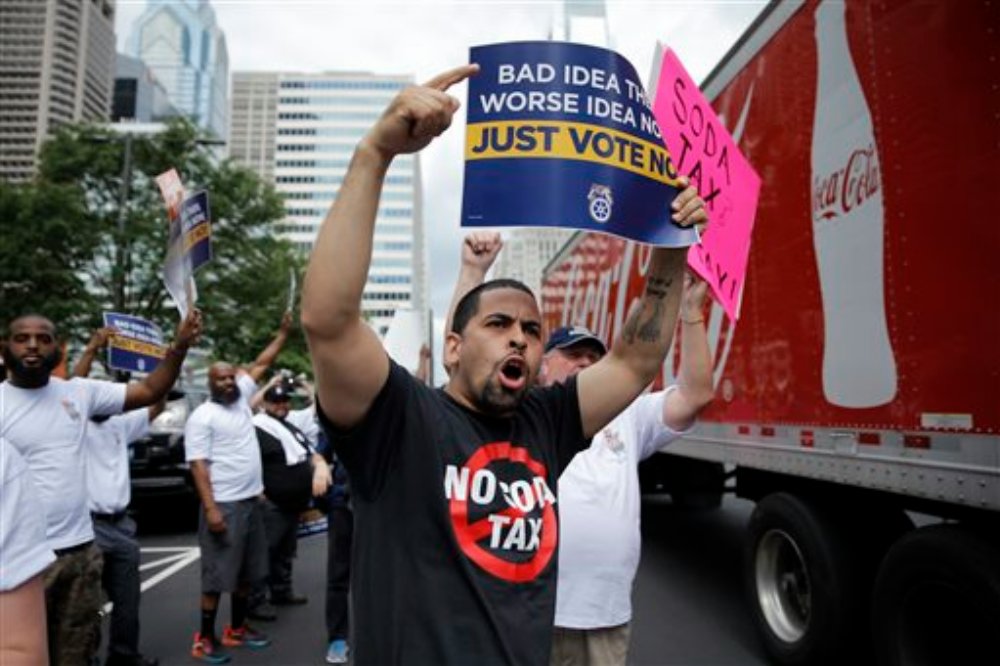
388, 458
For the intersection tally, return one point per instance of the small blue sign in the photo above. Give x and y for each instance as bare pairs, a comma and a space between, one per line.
136, 346
196, 226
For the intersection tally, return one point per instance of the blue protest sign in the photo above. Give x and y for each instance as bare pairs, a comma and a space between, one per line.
136, 346
196, 225
562, 135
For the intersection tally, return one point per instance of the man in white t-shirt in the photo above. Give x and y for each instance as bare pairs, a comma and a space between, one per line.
599, 489
24, 555
221, 445
45, 419
109, 489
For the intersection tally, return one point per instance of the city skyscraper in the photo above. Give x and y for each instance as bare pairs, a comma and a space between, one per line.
57, 64
586, 22
526, 253
180, 41
253, 121
299, 131
138, 96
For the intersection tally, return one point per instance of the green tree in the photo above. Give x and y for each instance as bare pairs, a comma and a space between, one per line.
115, 255
48, 240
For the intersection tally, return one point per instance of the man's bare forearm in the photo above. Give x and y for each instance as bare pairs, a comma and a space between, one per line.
84, 363
97, 342
155, 385
695, 377
469, 277
349, 362
694, 380
648, 331
479, 251
266, 357
202, 483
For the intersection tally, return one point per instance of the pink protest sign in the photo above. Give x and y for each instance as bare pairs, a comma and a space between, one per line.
704, 151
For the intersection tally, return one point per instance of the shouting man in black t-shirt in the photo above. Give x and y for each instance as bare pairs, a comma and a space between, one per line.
454, 489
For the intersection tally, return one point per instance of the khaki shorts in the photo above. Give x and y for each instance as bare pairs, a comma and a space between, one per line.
607, 646
237, 557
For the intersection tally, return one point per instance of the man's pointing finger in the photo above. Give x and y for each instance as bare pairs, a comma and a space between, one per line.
447, 79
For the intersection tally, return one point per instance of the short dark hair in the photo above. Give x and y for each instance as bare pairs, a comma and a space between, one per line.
468, 305
8, 329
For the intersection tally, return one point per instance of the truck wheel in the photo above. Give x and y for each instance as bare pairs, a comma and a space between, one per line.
937, 599
805, 582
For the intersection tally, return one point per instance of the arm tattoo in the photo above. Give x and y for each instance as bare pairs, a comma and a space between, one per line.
649, 329
657, 287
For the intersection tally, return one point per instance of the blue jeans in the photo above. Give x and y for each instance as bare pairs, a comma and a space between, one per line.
120, 579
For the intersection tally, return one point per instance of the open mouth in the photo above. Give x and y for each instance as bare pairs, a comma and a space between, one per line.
513, 373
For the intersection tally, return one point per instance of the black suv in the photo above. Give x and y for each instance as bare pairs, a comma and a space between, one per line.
160, 475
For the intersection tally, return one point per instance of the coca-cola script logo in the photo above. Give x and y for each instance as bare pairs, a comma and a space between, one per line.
843, 190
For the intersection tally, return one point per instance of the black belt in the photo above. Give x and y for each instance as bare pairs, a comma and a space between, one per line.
109, 517
72, 549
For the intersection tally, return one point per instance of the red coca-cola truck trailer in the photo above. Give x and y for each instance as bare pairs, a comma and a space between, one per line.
860, 388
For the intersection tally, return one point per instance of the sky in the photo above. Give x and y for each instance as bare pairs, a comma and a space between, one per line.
425, 37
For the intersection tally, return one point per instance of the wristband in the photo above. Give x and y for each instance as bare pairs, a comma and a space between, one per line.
693, 321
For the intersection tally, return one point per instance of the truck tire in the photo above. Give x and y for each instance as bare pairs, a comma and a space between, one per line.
937, 599
805, 581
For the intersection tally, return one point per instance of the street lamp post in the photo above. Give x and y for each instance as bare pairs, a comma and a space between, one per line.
121, 270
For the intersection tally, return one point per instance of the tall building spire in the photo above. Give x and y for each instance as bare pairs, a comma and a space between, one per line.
183, 46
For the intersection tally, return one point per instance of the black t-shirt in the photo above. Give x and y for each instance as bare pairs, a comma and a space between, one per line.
456, 524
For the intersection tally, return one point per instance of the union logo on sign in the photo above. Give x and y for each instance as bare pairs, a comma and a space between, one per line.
601, 203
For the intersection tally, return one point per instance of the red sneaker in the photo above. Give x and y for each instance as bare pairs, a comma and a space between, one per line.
246, 636
206, 650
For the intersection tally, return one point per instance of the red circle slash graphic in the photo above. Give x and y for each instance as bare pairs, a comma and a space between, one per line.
470, 534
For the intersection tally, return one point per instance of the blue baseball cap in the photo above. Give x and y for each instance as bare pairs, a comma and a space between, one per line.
569, 336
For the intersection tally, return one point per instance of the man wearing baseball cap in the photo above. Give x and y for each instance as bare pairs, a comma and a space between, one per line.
292, 473
569, 350
599, 489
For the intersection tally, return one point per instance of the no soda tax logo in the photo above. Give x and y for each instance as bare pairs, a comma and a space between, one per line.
514, 543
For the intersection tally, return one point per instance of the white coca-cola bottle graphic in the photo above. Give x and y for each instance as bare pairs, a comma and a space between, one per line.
848, 219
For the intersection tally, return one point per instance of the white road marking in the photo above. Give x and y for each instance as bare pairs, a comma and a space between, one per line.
158, 563
193, 555
180, 559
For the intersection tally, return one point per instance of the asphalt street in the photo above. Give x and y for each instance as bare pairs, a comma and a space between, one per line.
688, 598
